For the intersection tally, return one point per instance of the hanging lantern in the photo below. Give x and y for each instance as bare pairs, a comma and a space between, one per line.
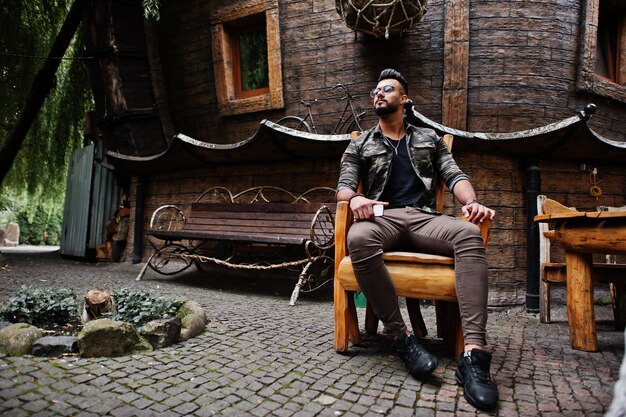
381, 17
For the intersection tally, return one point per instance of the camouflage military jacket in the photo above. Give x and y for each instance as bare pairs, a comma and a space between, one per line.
368, 158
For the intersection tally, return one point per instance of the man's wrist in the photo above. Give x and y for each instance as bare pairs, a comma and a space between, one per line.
354, 196
472, 200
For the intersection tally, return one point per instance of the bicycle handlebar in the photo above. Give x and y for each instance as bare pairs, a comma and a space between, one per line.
308, 103
345, 90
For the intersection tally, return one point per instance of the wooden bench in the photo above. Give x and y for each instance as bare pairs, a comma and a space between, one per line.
415, 276
301, 224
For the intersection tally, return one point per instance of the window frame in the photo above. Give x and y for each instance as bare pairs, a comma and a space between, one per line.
588, 81
228, 103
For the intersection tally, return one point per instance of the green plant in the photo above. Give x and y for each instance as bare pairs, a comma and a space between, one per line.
40, 225
42, 307
59, 309
139, 307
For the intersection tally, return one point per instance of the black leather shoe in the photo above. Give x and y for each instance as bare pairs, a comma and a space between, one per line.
417, 360
473, 374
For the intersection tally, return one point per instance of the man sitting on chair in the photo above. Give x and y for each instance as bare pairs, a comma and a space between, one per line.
397, 164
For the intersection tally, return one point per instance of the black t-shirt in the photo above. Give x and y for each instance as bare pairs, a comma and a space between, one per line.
404, 188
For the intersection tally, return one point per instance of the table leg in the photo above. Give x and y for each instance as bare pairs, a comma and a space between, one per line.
582, 324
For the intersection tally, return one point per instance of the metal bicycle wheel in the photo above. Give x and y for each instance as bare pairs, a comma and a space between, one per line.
166, 262
294, 122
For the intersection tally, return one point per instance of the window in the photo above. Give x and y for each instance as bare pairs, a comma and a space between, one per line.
246, 58
603, 59
249, 50
611, 48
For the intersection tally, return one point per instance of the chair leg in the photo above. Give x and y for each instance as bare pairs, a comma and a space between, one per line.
415, 315
619, 307
459, 342
371, 321
449, 326
353, 322
544, 311
346, 322
440, 318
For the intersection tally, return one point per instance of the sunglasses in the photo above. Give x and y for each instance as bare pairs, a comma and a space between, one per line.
386, 90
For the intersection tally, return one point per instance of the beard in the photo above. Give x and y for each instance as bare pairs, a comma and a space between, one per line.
382, 111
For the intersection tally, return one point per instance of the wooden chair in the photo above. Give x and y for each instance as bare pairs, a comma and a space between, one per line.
415, 276
555, 272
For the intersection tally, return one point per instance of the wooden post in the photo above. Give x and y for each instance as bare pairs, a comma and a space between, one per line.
580, 301
98, 303
455, 64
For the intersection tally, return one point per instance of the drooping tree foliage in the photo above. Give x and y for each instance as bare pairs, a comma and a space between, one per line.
38, 173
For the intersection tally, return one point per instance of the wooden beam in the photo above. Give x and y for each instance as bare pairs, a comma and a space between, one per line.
158, 80
621, 79
455, 64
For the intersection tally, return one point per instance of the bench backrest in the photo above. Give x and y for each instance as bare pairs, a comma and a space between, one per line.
289, 220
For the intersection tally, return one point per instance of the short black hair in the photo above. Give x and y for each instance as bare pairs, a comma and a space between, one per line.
391, 73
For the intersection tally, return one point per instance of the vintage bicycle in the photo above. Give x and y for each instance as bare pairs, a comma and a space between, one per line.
351, 118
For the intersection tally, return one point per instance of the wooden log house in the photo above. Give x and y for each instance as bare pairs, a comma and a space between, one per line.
176, 121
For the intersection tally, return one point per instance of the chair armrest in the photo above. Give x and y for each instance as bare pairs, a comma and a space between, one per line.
485, 229
549, 234
343, 221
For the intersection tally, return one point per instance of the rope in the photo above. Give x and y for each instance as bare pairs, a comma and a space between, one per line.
379, 17
221, 262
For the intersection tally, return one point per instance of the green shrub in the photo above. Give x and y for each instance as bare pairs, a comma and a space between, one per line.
42, 307
51, 308
139, 307
39, 226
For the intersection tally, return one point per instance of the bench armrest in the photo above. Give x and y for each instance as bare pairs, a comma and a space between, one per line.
322, 228
167, 217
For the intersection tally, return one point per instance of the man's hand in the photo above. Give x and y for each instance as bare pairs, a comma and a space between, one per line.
476, 212
363, 208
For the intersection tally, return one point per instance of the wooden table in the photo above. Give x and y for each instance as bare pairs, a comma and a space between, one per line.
581, 234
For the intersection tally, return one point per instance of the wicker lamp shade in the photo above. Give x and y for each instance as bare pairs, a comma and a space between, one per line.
381, 17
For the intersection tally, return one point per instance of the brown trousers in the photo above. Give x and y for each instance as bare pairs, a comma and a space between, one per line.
411, 229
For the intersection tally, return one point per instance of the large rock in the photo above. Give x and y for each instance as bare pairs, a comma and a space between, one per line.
162, 332
54, 346
106, 337
193, 325
12, 236
17, 339
192, 307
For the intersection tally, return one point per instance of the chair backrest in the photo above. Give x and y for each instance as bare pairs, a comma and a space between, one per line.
546, 206
544, 242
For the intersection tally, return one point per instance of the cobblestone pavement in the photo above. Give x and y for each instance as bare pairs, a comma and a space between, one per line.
260, 357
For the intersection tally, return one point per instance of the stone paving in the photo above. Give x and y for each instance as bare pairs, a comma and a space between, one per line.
260, 357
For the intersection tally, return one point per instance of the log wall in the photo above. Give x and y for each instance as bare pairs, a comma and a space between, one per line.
523, 60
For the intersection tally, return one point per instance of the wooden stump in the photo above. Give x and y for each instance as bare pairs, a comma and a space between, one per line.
98, 303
